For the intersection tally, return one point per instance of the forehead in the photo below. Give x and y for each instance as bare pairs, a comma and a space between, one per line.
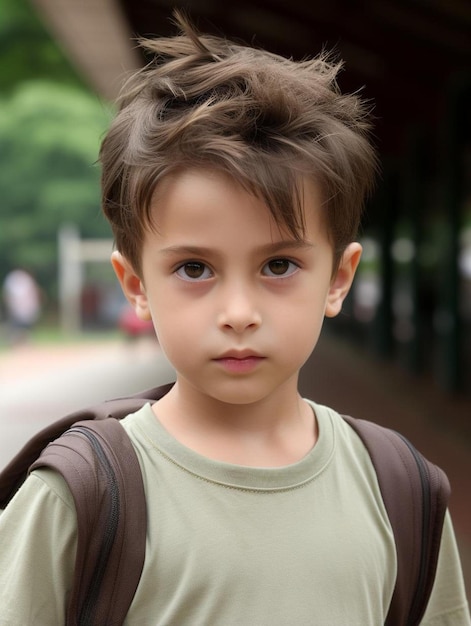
199, 198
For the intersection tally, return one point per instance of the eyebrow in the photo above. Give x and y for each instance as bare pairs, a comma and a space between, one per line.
293, 244
269, 248
187, 250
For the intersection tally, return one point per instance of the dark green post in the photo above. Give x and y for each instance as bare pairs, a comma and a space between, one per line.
385, 212
454, 139
414, 200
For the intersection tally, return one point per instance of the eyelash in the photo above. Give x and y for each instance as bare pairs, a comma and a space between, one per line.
181, 270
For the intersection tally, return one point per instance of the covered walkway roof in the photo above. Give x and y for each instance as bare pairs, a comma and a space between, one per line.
405, 52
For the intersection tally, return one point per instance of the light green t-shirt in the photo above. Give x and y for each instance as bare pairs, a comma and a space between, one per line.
305, 544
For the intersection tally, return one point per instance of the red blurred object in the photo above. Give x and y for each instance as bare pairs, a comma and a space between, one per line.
132, 325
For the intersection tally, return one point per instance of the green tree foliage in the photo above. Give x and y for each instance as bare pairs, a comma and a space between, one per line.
49, 137
50, 129
27, 51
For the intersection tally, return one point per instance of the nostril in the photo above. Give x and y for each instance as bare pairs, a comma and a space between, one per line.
239, 322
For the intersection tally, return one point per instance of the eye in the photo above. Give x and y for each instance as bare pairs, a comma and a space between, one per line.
194, 271
279, 268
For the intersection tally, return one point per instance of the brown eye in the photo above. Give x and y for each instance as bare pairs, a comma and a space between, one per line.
279, 268
194, 270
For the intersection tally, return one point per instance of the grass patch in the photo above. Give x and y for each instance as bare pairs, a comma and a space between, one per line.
45, 335
54, 335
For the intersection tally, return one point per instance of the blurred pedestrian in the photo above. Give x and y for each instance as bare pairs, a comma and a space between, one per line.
22, 298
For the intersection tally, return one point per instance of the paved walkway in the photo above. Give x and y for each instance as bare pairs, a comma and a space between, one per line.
39, 384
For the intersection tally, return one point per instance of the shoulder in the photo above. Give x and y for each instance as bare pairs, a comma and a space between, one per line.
448, 605
43, 487
37, 527
51, 482
141, 427
351, 461
138, 422
347, 441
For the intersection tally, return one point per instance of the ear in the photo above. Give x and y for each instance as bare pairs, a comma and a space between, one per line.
131, 284
342, 281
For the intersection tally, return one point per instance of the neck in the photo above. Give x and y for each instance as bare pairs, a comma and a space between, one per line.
274, 431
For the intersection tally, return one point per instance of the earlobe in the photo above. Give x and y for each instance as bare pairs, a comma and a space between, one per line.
131, 284
342, 281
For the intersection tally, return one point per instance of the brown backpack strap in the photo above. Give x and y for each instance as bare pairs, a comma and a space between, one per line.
14, 474
98, 462
100, 466
415, 493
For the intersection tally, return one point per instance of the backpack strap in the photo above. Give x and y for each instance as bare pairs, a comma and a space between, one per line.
14, 474
415, 493
100, 466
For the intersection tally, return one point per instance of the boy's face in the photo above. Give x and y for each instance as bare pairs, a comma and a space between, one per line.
236, 302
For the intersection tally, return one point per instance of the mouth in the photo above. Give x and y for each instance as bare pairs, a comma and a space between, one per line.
239, 361
240, 355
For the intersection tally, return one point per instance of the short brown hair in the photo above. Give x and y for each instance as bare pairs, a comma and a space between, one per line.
204, 101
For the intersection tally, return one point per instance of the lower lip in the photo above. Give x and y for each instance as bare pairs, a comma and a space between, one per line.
240, 366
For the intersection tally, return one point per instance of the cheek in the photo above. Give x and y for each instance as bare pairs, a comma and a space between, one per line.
170, 328
175, 345
177, 329
300, 325
302, 338
303, 310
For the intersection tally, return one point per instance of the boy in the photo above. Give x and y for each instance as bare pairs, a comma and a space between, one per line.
233, 180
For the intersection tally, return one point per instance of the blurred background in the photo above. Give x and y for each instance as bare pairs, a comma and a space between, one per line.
400, 352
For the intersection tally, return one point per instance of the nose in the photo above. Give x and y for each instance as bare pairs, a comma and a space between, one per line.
238, 309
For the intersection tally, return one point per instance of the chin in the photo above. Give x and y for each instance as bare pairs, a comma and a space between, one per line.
239, 395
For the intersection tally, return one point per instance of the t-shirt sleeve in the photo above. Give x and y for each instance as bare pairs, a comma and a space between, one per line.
448, 605
37, 552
